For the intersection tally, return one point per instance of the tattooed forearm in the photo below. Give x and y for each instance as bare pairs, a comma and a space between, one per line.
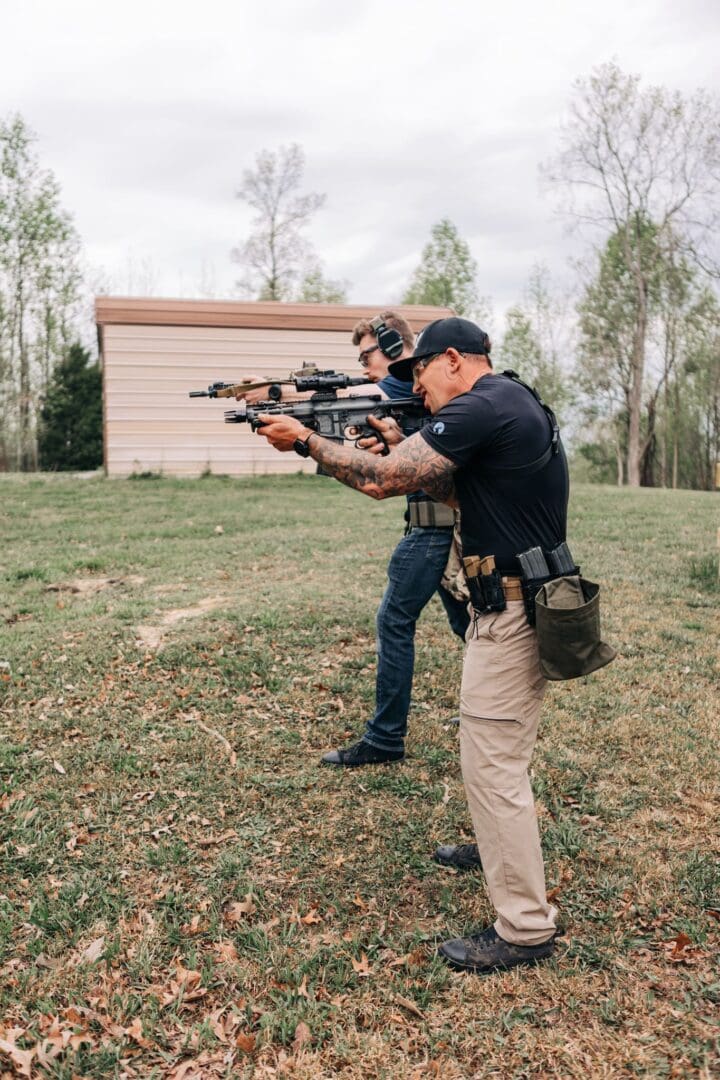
412, 466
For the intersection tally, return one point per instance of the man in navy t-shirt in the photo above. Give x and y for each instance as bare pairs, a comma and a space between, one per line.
492, 450
415, 571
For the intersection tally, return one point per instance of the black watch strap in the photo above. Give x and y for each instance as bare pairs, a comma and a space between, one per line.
301, 446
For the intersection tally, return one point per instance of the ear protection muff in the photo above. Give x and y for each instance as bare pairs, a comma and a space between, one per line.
389, 341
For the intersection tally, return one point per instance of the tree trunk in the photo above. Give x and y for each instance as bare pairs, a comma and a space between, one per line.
676, 431
637, 374
664, 443
647, 462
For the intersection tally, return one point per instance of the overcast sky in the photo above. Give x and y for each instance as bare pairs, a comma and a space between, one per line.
148, 112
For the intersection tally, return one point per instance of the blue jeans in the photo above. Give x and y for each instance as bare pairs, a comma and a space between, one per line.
414, 575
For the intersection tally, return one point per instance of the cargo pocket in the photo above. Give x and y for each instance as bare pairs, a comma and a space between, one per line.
501, 674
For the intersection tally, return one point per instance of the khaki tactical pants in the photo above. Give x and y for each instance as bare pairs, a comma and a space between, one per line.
500, 698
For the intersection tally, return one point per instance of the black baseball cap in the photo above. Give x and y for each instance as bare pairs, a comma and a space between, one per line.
436, 337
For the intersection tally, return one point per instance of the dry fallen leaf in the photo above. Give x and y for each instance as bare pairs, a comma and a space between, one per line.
21, 1059
680, 944
186, 1070
237, 911
409, 1005
361, 966
303, 1036
135, 1032
93, 951
226, 952
246, 1043
187, 977
193, 927
185, 986
58, 768
416, 957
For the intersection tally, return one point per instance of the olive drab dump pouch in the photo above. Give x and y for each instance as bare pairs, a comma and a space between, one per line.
567, 621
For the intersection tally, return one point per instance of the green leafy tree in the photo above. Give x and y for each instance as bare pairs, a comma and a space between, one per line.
608, 321
679, 297
632, 158
39, 289
447, 274
690, 422
678, 433
70, 433
315, 288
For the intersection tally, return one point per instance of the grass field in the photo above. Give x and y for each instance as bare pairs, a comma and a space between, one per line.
186, 894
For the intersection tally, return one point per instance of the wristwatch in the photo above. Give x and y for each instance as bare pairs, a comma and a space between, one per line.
301, 446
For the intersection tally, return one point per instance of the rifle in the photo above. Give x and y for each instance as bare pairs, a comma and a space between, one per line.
332, 417
309, 377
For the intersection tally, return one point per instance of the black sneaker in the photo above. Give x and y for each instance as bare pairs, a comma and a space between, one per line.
459, 856
361, 753
486, 951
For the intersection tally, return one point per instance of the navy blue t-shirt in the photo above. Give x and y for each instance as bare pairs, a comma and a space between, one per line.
500, 423
395, 388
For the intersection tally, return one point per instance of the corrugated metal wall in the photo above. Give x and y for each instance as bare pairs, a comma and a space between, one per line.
151, 425
155, 352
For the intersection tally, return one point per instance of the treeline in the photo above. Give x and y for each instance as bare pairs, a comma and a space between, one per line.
579, 350
630, 359
39, 291
640, 168
654, 419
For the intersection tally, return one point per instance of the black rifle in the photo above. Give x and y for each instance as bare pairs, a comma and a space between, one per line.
332, 417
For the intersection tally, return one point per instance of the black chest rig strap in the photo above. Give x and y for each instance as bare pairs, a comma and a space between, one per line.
554, 447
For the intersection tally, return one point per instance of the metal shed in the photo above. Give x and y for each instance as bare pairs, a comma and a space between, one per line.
155, 351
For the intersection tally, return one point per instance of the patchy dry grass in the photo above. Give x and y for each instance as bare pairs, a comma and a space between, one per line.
186, 894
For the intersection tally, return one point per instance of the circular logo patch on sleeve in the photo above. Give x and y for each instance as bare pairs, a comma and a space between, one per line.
438, 427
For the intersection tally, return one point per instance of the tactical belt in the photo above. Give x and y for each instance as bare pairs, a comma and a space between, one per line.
427, 515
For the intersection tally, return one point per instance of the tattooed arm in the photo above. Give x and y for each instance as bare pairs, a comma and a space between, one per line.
412, 466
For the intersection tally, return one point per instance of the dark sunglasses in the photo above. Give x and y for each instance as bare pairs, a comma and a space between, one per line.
364, 357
